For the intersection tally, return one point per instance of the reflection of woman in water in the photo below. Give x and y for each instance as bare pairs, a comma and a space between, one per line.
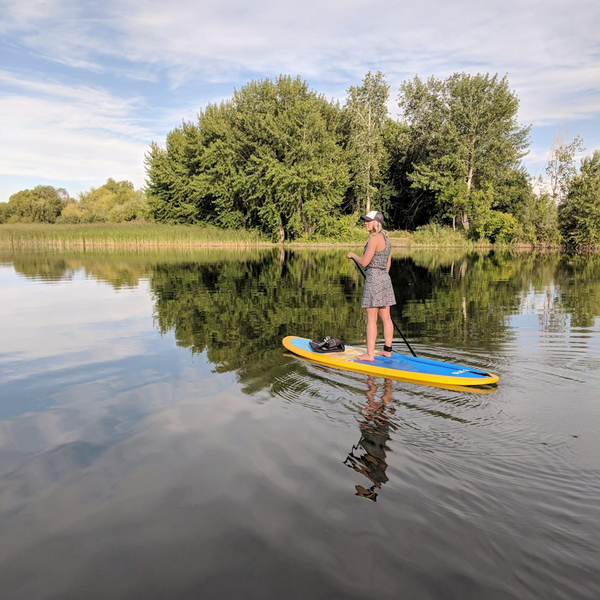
374, 429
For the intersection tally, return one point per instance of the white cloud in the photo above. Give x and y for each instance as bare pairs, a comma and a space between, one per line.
75, 133
548, 50
220, 39
19, 14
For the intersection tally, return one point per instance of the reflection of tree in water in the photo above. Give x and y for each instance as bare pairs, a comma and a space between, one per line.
239, 312
237, 305
578, 282
465, 301
41, 266
368, 456
468, 301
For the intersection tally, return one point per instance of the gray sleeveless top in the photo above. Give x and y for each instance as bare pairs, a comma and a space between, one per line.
380, 259
378, 291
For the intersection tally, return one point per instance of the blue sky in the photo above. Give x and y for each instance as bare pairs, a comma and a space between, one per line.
86, 85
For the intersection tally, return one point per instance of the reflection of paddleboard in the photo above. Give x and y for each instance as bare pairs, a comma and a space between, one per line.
423, 370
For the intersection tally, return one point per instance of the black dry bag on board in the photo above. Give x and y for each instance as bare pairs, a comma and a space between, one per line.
327, 344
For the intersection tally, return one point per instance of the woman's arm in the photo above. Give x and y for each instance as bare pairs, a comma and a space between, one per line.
389, 263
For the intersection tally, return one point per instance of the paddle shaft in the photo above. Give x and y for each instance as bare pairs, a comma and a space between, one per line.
394, 322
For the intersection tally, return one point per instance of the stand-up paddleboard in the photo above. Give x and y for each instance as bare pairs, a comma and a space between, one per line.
399, 366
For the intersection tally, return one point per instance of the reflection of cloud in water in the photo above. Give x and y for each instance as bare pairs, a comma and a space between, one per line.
59, 497
212, 483
76, 317
101, 410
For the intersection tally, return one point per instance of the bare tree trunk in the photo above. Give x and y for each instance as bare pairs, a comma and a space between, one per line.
464, 218
470, 179
281, 234
453, 222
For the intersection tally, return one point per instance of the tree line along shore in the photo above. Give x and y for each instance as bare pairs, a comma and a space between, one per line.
280, 163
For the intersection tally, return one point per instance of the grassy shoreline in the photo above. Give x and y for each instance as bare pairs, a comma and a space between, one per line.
35, 236
21, 236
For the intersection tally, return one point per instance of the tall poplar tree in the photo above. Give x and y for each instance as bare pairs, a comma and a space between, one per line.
366, 111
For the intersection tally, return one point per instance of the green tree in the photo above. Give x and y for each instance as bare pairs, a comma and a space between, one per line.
4, 212
269, 158
537, 220
464, 137
404, 205
115, 201
366, 111
579, 214
173, 172
43, 204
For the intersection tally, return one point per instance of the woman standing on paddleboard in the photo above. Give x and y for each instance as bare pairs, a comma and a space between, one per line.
378, 294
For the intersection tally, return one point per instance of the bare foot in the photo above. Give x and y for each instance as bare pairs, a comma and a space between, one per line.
365, 357
369, 494
384, 353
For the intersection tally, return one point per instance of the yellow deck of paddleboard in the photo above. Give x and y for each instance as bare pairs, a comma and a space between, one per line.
400, 366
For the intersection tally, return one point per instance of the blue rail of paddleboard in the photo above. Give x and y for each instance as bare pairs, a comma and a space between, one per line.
402, 362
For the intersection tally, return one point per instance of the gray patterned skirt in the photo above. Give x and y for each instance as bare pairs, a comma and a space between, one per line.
378, 290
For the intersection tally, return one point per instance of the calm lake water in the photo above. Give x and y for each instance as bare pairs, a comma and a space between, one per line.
157, 441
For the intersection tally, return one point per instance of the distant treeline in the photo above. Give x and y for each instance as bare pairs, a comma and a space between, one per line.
281, 159
114, 202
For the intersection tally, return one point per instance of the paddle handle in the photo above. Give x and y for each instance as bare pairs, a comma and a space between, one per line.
394, 322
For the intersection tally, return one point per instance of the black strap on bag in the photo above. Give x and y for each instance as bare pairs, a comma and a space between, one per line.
327, 344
